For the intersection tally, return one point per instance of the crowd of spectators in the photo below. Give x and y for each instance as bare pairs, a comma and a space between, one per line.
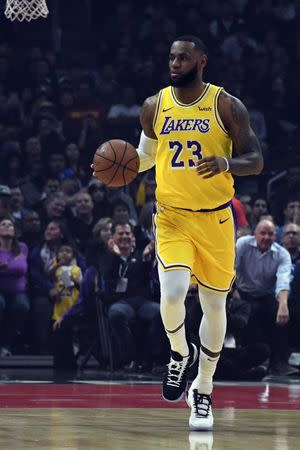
59, 227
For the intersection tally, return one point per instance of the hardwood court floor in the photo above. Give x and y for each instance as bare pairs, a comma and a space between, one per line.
121, 416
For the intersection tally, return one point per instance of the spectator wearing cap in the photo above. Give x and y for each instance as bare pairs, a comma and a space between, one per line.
14, 302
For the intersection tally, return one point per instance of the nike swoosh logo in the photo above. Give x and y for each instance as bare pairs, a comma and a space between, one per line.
167, 109
225, 220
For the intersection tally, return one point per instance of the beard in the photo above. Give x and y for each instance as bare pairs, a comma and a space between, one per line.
185, 79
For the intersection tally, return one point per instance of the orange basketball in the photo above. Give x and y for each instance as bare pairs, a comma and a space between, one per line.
116, 163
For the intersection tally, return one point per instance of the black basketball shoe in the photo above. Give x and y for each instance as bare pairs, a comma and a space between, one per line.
175, 380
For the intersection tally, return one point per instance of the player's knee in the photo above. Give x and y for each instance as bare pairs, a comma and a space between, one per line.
173, 296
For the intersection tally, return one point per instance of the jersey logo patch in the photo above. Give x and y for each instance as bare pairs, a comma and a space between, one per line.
225, 220
167, 109
202, 125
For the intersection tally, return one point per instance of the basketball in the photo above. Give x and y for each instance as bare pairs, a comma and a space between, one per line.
116, 163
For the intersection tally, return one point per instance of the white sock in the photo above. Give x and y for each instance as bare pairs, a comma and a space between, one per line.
178, 341
204, 379
174, 285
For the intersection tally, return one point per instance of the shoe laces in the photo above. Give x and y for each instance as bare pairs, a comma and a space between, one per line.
201, 404
176, 371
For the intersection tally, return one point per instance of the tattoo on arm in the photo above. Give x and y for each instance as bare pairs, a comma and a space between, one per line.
236, 119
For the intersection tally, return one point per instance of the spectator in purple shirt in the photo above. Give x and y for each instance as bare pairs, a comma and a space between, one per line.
14, 303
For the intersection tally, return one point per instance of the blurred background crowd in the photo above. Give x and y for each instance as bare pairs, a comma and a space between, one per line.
79, 78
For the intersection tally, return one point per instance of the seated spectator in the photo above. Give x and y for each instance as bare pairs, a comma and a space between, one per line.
120, 213
70, 185
32, 185
5, 201
14, 302
17, 207
13, 168
291, 213
55, 164
115, 194
66, 277
97, 252
98, 192
82, 222
31, 230
41, 260
84, 312
125, 290
263, 270
72, 156
259, 208
128, 295
54, 208
291, 240
51, 187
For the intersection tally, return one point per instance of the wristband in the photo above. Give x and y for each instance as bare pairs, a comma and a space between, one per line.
227, 164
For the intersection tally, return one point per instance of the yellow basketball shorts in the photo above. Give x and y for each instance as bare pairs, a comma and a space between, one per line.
201, 242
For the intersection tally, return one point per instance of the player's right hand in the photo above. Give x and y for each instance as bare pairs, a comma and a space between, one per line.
210, 166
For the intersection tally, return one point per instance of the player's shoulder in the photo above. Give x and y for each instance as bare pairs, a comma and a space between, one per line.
231, 109
150, 102
148, 108
226, 99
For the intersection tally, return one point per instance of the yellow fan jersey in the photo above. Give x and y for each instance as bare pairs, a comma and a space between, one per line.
64, 282
185, 133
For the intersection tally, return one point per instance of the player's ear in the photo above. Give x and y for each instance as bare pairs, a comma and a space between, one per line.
202, 60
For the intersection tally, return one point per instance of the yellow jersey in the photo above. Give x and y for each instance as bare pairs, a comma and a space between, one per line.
185, 133
65, 286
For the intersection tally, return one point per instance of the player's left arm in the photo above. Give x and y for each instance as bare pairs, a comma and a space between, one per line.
249, 161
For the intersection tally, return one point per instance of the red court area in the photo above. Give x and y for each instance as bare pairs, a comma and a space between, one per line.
142, 396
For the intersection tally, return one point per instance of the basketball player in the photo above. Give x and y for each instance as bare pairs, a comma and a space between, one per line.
188, 132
